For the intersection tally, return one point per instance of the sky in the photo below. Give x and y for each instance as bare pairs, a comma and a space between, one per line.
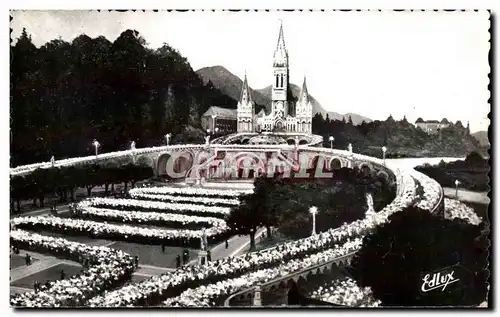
419, 64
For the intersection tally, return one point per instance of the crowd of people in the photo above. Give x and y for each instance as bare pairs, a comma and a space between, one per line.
107, 268
211, 201
454, 208
148, 205
345, 292
196, 285
213, 294
170, 220
120, 232
431, 191
158, 288
190, 191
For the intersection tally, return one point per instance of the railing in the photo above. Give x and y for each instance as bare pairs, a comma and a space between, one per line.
289, 276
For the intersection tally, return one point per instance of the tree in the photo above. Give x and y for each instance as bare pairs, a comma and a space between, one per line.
65, 94
267, 203
393, 260
245, 219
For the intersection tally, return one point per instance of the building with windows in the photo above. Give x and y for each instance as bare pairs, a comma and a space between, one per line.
222, 119
432, 126
287, 114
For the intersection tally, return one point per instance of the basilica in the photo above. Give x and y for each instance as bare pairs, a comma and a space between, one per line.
288, 114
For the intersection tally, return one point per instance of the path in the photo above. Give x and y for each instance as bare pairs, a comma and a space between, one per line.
44, 262
467, 195
237, 245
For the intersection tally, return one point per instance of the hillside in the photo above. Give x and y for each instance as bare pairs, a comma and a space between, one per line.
401, 138
230, 84
317, 108
482, 137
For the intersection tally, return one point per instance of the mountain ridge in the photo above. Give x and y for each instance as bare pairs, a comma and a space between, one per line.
230, 84
482, 137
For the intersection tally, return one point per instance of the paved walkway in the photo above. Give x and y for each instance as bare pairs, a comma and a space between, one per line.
237, 245
467, 195
19, 290
44, 262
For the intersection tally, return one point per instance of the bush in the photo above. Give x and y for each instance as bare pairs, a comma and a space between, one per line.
393, 260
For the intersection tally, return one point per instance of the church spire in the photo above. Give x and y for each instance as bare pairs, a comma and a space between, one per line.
303, 92
245, 91
281, 38
281, 54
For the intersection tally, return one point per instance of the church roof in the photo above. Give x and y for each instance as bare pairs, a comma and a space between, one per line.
281, 54
220, 112
245, 89
304, 89
281, 39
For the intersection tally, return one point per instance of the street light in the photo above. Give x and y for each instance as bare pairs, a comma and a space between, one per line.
456, 187
216, 130
207, 138
384, 149
313, 211
167, 137
132, 149
331, 138
96, 145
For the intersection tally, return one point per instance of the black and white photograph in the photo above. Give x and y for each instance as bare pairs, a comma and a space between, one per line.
250, 159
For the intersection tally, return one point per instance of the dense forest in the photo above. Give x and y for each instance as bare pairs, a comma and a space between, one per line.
401, 138
64, 95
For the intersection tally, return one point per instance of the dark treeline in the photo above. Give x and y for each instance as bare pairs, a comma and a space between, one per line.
64, 95
401, 138
472, 173
63, 181
283, 202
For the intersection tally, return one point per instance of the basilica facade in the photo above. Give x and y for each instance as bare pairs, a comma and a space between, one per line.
287, 114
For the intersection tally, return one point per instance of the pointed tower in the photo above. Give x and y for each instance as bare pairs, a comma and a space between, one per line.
304, 95
280, 86
304, 110
245, 109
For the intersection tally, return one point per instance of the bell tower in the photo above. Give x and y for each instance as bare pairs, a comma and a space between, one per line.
280, 80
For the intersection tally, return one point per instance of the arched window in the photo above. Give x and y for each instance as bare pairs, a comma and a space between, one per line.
281, 76
277, 80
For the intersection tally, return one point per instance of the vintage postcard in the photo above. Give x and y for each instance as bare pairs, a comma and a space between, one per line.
226, 158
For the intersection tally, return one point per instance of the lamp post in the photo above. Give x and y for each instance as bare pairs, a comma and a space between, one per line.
331, 138
456, 188
384, 149
96, 145
132, 149
313, 211
207, 138
213, 121
167, 137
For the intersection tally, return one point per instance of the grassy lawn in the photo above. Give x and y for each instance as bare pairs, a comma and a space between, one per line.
19, 260
152, 255
50, 274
